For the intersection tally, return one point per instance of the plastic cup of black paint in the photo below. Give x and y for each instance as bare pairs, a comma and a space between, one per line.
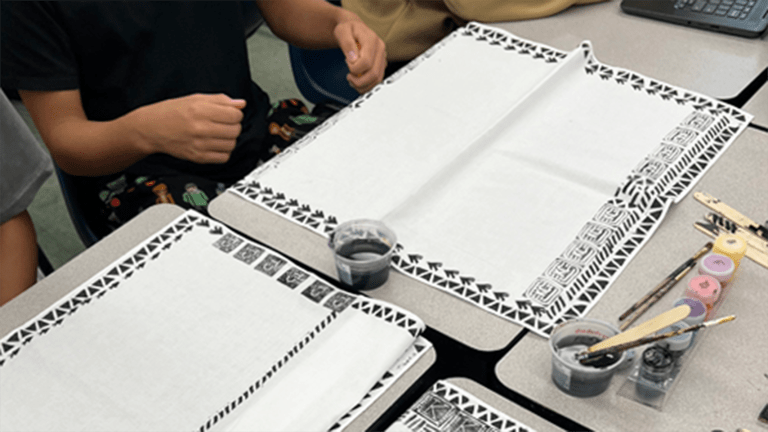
362, 250
570, 375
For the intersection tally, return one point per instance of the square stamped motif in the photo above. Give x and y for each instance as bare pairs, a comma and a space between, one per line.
562, 272
249, 253
681, 137
611, 215
339, 301
699, 121
543, 292
293, 277
270, 265
316, 291
228, 242
436, 410
580, 252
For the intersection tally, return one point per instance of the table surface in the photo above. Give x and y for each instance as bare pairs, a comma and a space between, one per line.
757, 105
46, 292
711, 63
476, 328
724, 383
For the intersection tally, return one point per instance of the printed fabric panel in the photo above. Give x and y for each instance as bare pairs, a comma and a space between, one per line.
518, 177
200, 328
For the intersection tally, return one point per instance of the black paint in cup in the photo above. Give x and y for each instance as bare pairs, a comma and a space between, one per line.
362, 251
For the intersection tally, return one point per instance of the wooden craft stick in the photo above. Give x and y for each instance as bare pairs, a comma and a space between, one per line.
757, 247
672, 278
649, 327
585, 356
731, 214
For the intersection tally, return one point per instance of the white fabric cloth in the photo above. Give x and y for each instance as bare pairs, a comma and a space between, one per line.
496, 156
192, 330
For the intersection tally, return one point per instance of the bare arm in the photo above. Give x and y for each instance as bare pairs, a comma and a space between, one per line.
317, 24
198, 128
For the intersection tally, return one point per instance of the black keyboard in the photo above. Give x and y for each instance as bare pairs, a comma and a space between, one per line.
736, 9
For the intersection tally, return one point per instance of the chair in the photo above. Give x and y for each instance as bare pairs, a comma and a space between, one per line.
85, 225
43, 264
321, 76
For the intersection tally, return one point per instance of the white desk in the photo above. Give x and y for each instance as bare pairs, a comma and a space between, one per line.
707, 62
757, 105
723, 385
81, 268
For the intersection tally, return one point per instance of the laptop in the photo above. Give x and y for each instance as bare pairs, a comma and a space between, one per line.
748, 18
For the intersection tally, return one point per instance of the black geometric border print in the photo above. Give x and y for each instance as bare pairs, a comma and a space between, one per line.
447, 408
244, 252
239, 248
259, 383
107, 281
574, 280
420, 347
389, 314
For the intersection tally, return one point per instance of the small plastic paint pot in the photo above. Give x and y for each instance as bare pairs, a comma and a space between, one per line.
732, 246
656, 364
629, 359
704, 288
698, 312
676, 345
362, 251
570, 375
718, 266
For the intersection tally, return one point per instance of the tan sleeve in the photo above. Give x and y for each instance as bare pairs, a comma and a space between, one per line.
407, 27
509, 10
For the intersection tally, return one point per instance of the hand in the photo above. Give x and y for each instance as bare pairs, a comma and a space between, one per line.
365, 53
200, 128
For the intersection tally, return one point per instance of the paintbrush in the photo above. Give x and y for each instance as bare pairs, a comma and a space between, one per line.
647, 328
665, 285
586, 357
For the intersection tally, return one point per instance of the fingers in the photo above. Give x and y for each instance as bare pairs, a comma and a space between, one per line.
210, 150
225, 114
370, 79
347, 43
365, 53
216, 131
217, 145
222, 99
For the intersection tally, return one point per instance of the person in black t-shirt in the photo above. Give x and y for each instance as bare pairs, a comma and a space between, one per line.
146, 101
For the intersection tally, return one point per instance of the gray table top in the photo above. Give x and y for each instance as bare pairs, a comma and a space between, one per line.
46, 292
757, 105
714, 64
724, 383
476, 328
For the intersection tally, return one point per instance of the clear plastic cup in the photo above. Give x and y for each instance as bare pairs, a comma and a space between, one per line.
362, 250
568, 374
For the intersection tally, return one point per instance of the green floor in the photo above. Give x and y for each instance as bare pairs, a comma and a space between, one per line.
270, 68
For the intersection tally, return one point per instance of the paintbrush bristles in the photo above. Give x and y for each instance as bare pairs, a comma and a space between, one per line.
719, 321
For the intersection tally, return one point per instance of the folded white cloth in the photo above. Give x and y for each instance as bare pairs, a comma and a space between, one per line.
196, 329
